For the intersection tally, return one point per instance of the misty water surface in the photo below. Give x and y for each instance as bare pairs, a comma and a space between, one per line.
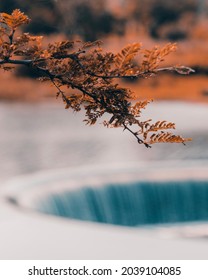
38, 137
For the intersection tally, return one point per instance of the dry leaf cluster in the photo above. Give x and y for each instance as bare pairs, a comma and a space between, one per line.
85, 76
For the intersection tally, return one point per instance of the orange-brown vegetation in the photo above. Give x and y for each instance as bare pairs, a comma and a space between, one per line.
85, 76
154, 22
192, 52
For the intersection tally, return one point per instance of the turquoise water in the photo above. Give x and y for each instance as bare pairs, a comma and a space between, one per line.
133, 204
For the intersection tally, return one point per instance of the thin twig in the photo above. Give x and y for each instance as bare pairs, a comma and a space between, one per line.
140, 141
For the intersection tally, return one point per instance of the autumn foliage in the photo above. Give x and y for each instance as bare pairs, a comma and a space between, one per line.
85, 76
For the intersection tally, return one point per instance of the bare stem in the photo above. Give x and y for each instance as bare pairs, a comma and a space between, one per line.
140, 141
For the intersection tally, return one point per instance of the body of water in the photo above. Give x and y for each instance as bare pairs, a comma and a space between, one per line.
38, 137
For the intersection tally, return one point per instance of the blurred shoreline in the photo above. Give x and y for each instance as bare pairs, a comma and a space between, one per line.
193, 88
15, 87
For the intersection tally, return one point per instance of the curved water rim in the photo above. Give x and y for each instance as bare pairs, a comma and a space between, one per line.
58, 238
29, 192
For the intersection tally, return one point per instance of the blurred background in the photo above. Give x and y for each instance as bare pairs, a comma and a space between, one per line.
38, 134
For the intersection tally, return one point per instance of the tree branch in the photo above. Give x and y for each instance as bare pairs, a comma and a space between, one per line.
91, 74
179, 69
